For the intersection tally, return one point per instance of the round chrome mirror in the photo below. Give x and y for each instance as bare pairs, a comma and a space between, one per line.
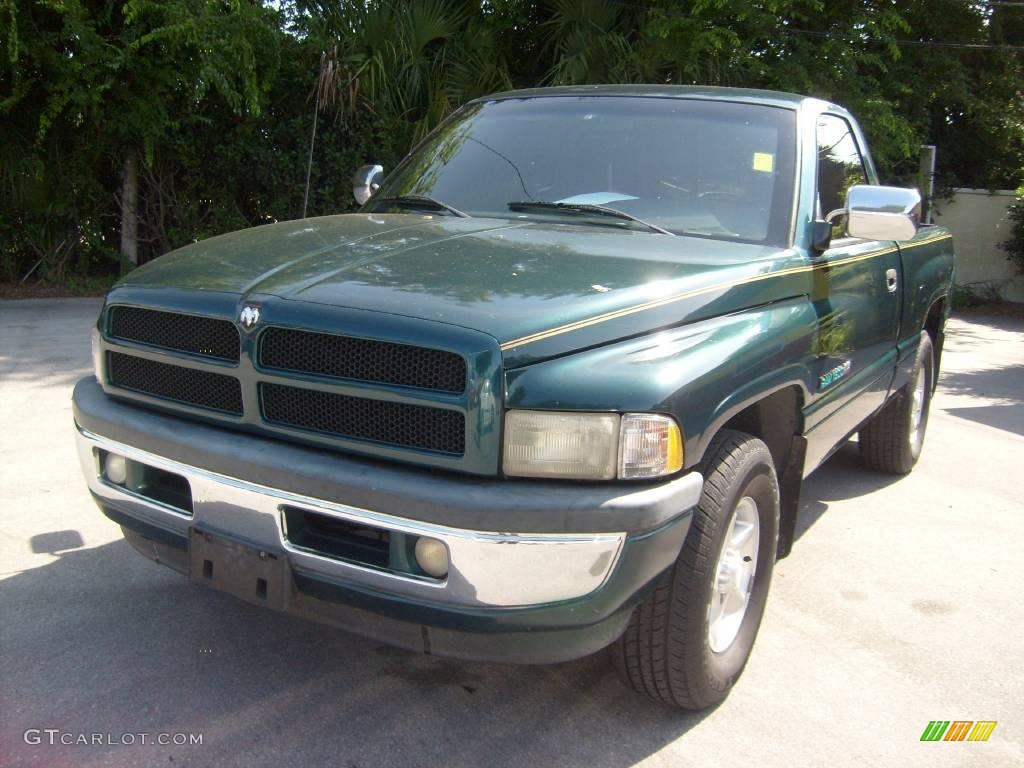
366, 181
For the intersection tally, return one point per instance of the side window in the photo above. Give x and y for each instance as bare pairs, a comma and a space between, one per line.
840, 165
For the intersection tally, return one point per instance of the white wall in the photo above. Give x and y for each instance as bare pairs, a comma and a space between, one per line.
979, 222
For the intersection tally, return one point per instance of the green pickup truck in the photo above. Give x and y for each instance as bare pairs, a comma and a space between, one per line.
554, 387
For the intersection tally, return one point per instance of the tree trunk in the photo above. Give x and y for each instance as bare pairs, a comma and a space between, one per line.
129, 215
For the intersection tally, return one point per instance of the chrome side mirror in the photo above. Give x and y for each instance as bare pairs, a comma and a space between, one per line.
366, 181
881, 213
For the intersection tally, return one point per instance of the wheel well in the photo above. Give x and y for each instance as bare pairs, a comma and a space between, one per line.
777, 420
774, 420
933, 326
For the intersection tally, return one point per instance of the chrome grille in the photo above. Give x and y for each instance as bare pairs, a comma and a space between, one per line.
347, 357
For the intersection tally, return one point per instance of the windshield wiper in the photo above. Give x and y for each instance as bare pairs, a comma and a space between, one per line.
421, 201
601, 210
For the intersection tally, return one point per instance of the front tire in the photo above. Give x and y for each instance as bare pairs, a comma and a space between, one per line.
688, 642
892, 440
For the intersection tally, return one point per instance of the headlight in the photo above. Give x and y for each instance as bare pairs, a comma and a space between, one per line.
591, 446
97, 356
552, 444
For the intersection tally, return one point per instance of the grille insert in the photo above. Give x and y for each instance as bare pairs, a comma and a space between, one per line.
414, 426
362, 359
186, 385
204, 336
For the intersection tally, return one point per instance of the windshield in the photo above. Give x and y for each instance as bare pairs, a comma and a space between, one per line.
709, 168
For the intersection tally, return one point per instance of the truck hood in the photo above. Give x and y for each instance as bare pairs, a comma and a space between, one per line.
540, 288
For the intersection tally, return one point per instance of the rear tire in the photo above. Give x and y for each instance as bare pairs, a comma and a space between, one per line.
688, 642
892, 440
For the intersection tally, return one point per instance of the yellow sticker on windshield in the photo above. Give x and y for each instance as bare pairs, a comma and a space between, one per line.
764, 162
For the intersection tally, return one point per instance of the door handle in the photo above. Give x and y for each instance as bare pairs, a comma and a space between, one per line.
890, 280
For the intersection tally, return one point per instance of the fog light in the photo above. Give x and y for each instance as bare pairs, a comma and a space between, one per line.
432, 556
115, 468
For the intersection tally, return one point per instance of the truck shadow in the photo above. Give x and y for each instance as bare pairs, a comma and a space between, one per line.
1005, 383
975, 320
843, 476
102, 641
1002, 388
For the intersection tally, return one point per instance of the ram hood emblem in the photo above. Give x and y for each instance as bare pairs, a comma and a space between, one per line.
250, 315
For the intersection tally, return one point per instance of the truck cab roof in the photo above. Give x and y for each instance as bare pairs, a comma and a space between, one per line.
664, 91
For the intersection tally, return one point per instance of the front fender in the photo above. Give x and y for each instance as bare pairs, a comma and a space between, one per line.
702, 373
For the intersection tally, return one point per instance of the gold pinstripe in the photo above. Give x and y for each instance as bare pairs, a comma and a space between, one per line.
579, 324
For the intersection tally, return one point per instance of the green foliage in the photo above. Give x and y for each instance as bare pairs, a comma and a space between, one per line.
88, 83
1014, 245
986, 293
216, 98
411, 63
250, 169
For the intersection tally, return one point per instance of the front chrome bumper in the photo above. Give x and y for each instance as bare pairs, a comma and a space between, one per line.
496, 569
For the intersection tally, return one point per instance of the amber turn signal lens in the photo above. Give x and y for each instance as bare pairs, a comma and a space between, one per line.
651, 445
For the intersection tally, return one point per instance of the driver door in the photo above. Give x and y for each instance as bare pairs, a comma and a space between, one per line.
856, 295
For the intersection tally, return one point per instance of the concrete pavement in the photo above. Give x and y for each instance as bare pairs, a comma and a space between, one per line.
900, 604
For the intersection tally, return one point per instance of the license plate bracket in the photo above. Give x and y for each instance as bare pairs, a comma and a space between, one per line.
258, 576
